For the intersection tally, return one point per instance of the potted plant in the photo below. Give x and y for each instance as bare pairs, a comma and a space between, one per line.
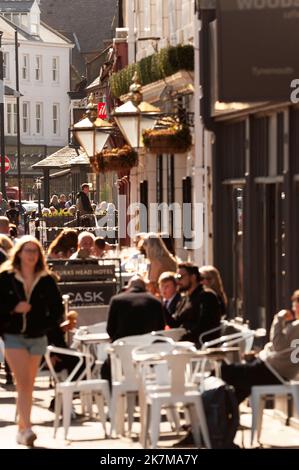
116, 159
175, 138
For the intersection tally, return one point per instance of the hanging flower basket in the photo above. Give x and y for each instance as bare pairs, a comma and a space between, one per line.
174, 139
116, 159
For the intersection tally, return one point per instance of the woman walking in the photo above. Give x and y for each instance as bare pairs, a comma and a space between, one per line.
31, 305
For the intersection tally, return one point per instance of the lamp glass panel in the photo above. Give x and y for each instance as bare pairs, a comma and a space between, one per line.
101, 139
85, 138
129, 128
145, 123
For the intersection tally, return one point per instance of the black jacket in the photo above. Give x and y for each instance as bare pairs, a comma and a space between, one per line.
171, 308
83, 203
134, 313
197, 313
46, 301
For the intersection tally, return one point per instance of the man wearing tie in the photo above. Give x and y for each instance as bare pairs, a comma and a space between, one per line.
170, 295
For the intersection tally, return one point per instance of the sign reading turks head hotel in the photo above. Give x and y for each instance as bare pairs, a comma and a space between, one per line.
257, 43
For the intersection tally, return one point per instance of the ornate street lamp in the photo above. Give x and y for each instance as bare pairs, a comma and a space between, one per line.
92, 132
135, 116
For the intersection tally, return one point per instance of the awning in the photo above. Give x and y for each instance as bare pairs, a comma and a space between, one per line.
61, 158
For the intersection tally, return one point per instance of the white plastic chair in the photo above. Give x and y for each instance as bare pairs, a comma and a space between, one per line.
173, 333
259, 394
125, 384
175, 390
226, 327
64, 390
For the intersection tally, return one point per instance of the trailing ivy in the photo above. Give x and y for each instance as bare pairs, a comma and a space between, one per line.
153, 68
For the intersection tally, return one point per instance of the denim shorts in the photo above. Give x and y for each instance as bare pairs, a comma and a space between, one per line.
35, 346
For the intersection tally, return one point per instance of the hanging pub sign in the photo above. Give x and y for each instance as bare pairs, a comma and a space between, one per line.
257, 49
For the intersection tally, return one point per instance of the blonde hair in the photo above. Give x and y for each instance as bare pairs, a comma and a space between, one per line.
213, 275
155, 248
14, 263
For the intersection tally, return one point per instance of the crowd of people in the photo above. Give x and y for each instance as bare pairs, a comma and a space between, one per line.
170, 293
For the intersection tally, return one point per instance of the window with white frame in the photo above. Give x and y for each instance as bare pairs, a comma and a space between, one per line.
6, 65
25, 117
55, 69
39, 118
25, 67
38, 68
55, 119
11, 120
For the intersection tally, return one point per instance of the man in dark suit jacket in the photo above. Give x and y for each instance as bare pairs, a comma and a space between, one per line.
199, 310
134, 312
169, 293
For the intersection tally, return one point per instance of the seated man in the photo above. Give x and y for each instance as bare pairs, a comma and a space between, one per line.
85, 246
199, 310
134, 312
277, 355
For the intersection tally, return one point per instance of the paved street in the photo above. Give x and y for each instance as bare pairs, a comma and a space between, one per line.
88, 434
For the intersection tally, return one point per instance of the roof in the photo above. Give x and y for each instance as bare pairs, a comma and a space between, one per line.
46, 33
60, 159
86, 23
8, 91
81, 159
19, 6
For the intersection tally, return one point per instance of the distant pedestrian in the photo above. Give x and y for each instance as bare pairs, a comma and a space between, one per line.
69, 202
3, 204
83, 202
12, 213
31, 305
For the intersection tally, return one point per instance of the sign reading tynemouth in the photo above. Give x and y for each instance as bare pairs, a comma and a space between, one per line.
257, 49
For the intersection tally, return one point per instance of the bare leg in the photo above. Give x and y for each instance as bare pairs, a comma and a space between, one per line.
24, 367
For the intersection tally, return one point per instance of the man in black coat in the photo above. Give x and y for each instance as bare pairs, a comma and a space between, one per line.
82, 200
134, 312
199, 310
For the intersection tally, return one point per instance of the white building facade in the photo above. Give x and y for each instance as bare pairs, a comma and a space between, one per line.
44, 78
154, 25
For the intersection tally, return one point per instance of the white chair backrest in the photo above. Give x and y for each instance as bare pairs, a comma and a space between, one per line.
226, 327
97, 327
137, 340
155, 349
122, 366
243, 339
176, 363
68, 352
173, 333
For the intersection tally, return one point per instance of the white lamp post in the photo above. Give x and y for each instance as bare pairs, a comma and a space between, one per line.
135, 116
92, 132
38, 185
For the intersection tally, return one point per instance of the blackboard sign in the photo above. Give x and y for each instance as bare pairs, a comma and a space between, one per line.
84, 271
88, 293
